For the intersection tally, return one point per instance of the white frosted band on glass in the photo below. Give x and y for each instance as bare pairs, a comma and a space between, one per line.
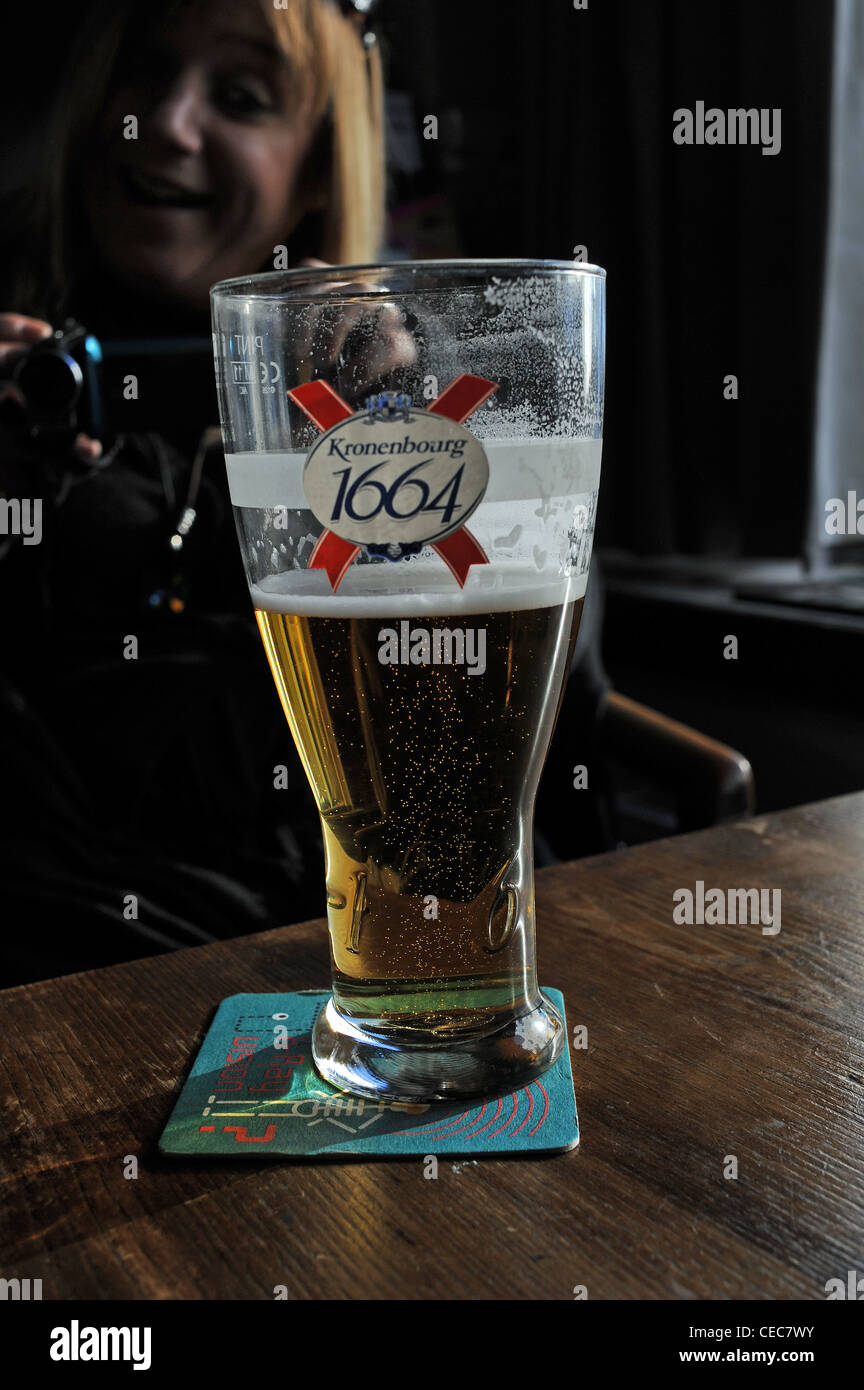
519, 470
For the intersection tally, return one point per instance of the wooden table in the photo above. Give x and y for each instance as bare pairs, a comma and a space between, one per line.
703, 1042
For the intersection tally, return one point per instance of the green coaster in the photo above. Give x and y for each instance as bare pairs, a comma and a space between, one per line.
253, 1090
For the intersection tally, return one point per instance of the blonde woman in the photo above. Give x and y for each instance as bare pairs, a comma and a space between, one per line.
192, 142
263, 119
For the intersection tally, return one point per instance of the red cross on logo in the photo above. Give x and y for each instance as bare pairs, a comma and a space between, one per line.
326, 408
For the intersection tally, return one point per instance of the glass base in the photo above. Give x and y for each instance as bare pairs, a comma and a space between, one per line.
367, 1064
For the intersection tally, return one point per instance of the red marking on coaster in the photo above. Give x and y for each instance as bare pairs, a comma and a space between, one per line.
496, 1132
241, 1137
446, 1134
528, 1116
542, 1119
492, 1121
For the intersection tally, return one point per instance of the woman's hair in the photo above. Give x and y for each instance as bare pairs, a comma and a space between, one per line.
348, 102
46, 238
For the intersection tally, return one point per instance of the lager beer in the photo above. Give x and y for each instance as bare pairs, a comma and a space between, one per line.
424, 775
413, 455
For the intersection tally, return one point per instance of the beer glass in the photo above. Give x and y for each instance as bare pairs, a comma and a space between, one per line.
413, 455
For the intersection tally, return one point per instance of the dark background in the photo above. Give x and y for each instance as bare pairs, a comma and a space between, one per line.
562, 135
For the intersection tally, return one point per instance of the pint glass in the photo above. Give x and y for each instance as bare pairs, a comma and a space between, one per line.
413, 455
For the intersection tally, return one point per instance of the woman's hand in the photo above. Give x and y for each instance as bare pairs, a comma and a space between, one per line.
329, 328
17, 334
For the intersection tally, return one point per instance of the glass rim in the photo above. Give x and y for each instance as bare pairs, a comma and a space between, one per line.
271, 285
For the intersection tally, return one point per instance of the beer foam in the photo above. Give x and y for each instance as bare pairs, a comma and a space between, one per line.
519, 470
425, 588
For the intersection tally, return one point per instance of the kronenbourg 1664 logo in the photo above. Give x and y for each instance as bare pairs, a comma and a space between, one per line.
392, 478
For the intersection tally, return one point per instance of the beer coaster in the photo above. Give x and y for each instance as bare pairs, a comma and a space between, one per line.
253, 1091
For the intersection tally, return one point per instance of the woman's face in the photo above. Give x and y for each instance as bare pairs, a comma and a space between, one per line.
210, 185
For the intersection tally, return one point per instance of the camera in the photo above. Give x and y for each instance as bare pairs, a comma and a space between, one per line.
59, 385
74, 382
